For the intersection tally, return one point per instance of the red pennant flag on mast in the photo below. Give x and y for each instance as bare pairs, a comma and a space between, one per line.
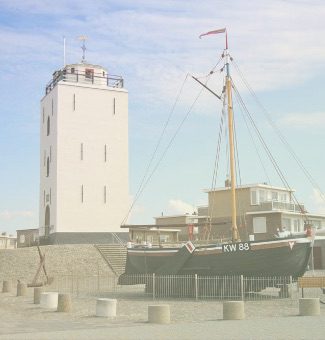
221, 30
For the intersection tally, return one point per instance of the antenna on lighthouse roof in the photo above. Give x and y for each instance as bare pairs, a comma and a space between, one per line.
64, 63
83, 38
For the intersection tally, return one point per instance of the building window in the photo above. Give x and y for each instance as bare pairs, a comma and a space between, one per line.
284, 197
114, 106
316, 223
259, 225
74, 102
43, 115
82, 194
72, 69
254, 198
286, 223
105, 194
82, 151
48, 126
275, 196
48, 167
262, 196
105, 153
296, 225
44, 158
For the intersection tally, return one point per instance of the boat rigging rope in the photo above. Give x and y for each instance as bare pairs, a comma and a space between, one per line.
278, 132
253, 142
267, 150
146, 178
143, 181
213, 70
217, 158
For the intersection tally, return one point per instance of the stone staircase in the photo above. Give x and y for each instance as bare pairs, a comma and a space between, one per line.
114, 255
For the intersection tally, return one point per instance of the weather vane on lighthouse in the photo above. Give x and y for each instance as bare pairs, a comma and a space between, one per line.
83, 38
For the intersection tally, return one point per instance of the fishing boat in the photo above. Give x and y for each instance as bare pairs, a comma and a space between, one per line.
284, 255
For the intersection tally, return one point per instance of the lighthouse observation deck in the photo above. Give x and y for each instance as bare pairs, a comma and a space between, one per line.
86, 74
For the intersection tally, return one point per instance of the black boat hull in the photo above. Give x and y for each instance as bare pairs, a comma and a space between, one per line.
269, 258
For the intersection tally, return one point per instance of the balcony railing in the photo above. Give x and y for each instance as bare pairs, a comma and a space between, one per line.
85, 78
283, 206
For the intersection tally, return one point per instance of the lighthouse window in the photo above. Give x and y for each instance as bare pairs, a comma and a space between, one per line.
89, 73
48, 167
48, 126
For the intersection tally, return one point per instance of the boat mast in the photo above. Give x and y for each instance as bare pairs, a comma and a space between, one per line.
234, 229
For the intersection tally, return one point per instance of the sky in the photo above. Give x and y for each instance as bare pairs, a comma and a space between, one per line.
279, 47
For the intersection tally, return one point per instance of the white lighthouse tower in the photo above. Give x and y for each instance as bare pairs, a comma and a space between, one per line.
84, 155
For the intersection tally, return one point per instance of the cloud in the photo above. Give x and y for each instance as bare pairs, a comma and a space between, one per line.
155, 44
303, 120
318, 201
177, 206
11, 215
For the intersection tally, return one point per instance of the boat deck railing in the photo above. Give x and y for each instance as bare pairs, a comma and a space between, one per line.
179, 244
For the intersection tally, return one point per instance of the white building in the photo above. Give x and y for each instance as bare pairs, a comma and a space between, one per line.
84, 154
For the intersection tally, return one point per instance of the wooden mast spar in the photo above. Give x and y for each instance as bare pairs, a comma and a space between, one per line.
234, 229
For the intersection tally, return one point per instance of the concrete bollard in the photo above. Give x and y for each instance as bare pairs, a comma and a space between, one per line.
285, 291
106, 307
309, 306
159, 314
64, 303
49, 300
37, 295
21, 289
233, 310
6, 287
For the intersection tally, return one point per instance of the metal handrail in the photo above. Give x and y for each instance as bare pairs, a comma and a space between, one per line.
84, 77
118, 239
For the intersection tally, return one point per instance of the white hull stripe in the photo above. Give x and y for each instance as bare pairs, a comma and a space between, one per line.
175, 250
